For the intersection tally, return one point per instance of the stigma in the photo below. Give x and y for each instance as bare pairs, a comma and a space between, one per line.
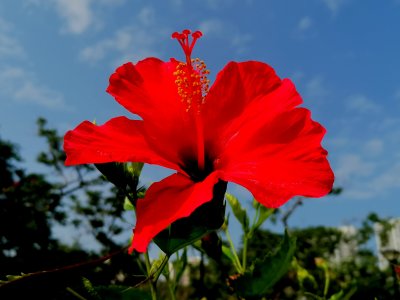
191, 75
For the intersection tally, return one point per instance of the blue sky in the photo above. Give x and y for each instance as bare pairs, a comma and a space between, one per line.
343, 55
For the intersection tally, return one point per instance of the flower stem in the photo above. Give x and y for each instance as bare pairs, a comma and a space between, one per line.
75, 293
244, 252
327, 282
171, 289
153, 288
236, 263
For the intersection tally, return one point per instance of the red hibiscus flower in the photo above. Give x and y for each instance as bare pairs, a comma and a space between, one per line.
246, 128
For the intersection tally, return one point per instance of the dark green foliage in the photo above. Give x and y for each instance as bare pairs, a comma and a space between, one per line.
30, 205
264, 273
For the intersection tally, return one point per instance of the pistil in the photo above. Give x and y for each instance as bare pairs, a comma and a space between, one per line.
193, 84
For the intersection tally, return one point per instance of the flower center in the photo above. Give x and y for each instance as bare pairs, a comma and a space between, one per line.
191, 76
193, 85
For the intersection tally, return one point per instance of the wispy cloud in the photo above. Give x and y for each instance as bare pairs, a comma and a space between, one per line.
130, 43
9, 45
77, 15
227, 32
315, 89
304, 28
388, 179
216, 4
374, 147
21, 86
352, 172
176, 3
397, 93
362, 104
335, 5
351, 166
212, 27
370, 171
304, 24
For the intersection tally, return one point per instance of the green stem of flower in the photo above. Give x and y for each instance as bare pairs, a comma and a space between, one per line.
236, 263
171, 289
75, 293
327, 282
153, 288
244, 252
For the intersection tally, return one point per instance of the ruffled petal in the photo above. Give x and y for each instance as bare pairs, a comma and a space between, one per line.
240, 90
278, 159
148, 89
166, 201
118, 140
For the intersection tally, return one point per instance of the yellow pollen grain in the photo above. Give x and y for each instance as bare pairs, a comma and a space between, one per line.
192, 82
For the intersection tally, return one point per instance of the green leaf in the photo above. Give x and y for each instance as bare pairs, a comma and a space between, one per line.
158, 266
205, 219
263, 214
136, 168
303, 274
239, 212
180, 266
313, 296
228, 253
122, 175
89, 288
337, 296
265, 273
128, 204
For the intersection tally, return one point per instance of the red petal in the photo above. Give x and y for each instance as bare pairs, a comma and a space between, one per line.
279, 158
166, 201
148, 89
242, 89
118, 140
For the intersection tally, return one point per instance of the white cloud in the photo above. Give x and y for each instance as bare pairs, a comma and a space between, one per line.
111, 2
9, 45
397, 93
212, 27
367, 178
334, 5
135, 42
304, 28
131, 43
21, 86
315, 89
354, 174
362, 104
241, 42
216, 4
374, 147
304, 24
176, 3
147, 16
76, 13
40, 95
388, 179
351, 166
238, 40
